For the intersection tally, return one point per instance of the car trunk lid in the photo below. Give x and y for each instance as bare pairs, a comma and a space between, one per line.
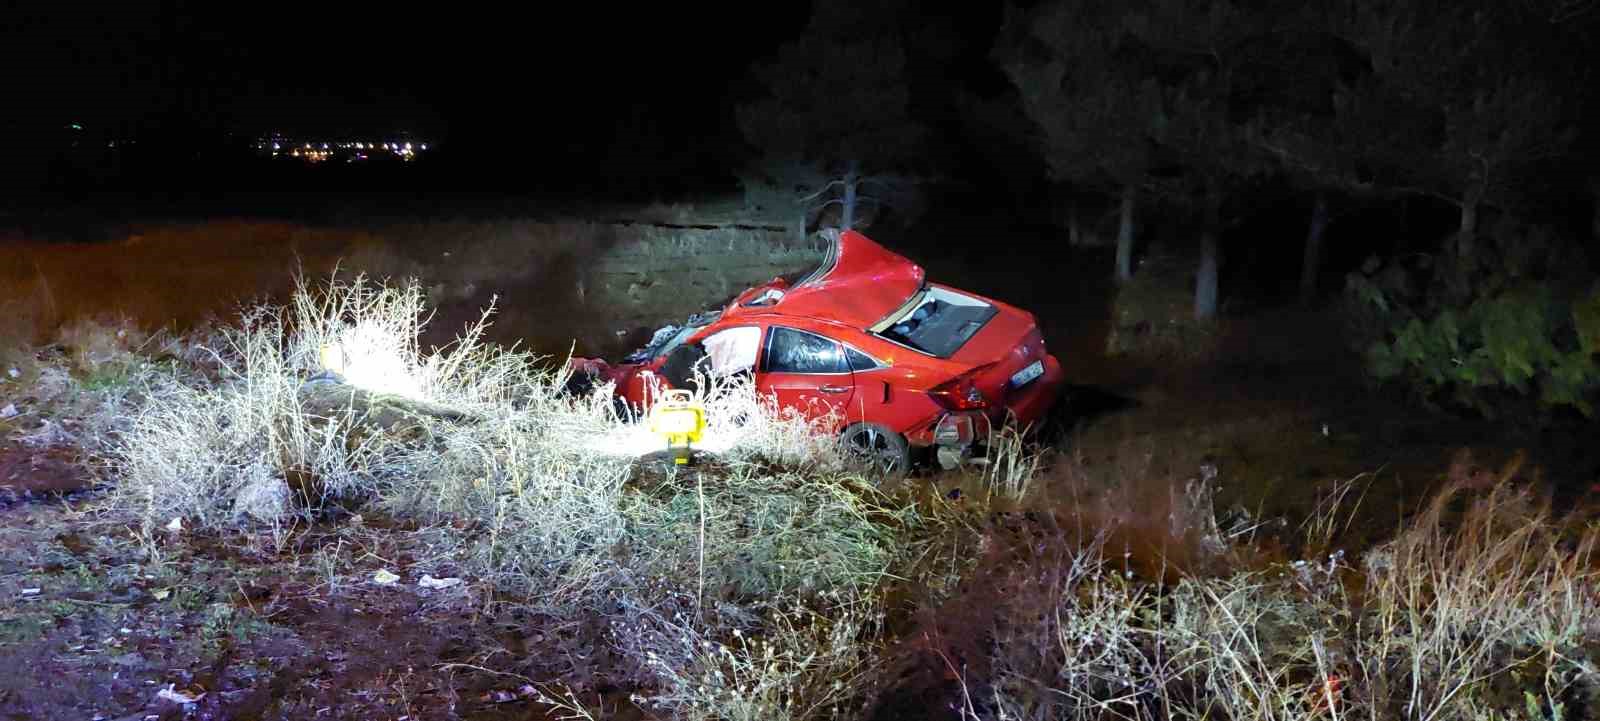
1001, 351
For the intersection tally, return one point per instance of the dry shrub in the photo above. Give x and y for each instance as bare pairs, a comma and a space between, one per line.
1479, 584
800, 663
1072, 639
1010, 464
1483, 603
219, 452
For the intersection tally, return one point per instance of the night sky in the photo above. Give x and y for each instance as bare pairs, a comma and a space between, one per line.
553, 73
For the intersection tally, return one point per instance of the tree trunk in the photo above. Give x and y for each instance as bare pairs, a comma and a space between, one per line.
1311, 262
1594, 217
1074, 232
1205, 285
848, 204
1468, 231
1125, 236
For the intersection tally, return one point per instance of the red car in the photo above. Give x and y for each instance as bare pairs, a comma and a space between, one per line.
865, 340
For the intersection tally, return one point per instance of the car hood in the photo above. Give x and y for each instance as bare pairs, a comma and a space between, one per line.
859, 283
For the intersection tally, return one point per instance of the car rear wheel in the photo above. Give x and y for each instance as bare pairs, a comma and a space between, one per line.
879, 448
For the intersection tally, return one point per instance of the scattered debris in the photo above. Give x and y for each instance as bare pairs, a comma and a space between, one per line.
161, 594
175, 525
14, 373
49, 433
430, 582
180, 696
505, 696
385, 577
30, 591
10, 411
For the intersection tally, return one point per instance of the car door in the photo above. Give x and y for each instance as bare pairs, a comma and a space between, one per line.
805, 371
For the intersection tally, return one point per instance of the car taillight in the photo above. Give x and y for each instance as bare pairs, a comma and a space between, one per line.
959, 395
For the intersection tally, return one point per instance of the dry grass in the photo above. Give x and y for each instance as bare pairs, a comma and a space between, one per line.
1011, 464
1480, 585
537, 495
1482, 604
804, 664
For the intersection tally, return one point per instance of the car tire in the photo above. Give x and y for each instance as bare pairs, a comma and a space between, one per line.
882, 450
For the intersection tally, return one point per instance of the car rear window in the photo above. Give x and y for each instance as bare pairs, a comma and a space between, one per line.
940, 322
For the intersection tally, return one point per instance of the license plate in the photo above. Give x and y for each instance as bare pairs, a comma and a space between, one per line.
1026, 375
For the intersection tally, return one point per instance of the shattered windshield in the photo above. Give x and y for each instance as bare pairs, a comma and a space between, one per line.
669, 337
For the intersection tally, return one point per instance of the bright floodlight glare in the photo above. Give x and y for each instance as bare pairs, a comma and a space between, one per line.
679, 420
633, 440
367, 357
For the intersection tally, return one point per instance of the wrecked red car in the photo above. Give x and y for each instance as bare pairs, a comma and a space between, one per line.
867, 342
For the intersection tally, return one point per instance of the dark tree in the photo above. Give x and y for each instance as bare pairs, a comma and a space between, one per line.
1322, 119
1484, 75
1070, 64
835, 126
1197, 50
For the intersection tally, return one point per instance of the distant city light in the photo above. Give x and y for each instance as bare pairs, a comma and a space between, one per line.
317, 150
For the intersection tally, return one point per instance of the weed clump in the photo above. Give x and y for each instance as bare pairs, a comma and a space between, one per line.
1483, 602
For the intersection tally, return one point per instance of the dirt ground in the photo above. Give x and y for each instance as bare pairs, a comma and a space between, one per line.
244, 629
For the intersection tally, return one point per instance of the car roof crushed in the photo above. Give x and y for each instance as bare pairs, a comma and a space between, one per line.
860, 284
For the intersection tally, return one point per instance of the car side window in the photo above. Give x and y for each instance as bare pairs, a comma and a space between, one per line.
860, 361
795, 351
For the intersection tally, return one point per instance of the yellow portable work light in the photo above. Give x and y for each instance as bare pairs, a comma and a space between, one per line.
679, 419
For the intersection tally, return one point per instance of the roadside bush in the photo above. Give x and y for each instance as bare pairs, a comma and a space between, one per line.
802, 664
223, 453
1482, 607
244, 444
1515, 320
